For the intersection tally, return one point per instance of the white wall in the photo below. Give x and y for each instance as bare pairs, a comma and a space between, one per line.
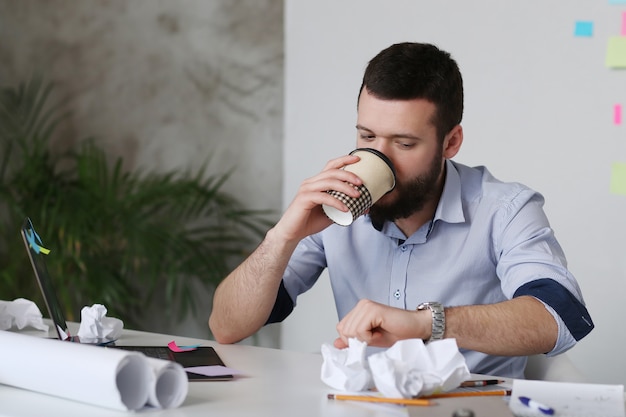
538, 110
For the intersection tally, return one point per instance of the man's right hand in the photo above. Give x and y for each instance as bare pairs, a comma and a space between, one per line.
305, 216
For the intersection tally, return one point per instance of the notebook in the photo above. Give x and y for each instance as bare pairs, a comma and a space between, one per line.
202, 356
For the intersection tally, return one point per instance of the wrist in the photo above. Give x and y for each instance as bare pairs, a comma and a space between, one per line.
437, 319
277, 238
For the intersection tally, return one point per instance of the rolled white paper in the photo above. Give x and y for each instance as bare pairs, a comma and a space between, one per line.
112, 378
170, 385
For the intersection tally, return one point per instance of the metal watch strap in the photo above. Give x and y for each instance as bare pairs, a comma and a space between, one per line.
439, 318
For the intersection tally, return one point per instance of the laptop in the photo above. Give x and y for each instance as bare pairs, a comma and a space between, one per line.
201, 356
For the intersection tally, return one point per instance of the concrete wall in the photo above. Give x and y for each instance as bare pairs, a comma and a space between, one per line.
164, 84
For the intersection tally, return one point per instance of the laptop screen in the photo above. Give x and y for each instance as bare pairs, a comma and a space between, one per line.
36, 252
201, 356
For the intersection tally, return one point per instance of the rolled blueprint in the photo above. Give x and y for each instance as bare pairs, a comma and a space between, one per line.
112, 378
170, 386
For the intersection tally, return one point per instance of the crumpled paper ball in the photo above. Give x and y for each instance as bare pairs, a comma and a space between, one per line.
346, 369
95, 325
410, 368
407, 369
21, 313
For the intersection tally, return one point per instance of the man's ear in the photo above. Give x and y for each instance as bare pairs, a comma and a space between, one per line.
452, 142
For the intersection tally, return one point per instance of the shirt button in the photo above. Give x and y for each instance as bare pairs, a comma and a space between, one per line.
403, 248
397, 294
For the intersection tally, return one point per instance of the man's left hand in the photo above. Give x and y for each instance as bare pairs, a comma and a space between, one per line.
381, 325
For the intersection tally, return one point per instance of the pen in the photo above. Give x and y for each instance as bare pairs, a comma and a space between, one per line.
500, 392
481, 383
369, 398
534, 405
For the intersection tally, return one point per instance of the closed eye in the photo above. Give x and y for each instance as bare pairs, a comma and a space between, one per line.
406, 145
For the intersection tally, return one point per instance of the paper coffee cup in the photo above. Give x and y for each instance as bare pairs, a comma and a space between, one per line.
378, 176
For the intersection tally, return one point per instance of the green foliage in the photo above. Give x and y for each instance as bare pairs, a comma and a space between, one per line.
117, 238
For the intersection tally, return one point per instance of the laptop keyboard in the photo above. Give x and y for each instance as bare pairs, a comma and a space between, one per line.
157, 352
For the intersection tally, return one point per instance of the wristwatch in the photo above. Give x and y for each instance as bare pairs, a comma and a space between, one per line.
439, 318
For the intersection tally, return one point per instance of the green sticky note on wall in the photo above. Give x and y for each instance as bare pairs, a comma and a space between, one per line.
618, 178
616, 52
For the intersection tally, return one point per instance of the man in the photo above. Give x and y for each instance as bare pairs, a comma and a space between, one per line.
450, 252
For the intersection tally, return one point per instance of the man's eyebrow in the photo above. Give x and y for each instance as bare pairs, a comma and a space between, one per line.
394, 136
359, 127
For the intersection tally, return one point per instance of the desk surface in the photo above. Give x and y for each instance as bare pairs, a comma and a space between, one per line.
276, 383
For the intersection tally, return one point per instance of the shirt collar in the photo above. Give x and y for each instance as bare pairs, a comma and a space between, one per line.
450, 207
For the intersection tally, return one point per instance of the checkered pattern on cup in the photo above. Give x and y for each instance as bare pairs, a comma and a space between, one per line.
357, 205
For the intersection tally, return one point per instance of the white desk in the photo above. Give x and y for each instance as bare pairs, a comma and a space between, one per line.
277, 383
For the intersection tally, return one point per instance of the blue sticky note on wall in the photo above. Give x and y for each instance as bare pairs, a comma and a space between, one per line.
617, 1
583, 28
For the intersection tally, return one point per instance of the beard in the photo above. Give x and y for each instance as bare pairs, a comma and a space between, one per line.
412, 195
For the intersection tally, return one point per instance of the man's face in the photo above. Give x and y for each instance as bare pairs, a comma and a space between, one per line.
403, 130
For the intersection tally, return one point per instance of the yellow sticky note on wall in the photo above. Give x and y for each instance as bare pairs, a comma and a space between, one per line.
618, 178
616, 52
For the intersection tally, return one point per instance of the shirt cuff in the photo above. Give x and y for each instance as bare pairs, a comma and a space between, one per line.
565, 341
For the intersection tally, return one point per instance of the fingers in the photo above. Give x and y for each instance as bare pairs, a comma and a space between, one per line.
341, 162
304, 216
378, 324
363, 323
333, 177
340, 343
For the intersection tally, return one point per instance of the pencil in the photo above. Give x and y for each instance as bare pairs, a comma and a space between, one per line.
369, 398
481, 383
500, 392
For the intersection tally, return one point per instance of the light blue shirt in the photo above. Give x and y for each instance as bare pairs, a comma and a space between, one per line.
486, 241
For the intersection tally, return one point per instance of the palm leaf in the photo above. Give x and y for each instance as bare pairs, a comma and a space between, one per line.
120, 238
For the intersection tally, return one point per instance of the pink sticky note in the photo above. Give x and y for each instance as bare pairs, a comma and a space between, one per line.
623, 31
617, 114
175, 348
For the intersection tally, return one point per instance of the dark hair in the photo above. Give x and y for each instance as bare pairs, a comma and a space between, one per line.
407, 71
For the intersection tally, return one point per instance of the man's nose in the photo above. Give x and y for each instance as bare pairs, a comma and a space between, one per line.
382, 146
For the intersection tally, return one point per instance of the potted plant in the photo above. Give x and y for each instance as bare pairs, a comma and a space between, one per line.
119, 238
